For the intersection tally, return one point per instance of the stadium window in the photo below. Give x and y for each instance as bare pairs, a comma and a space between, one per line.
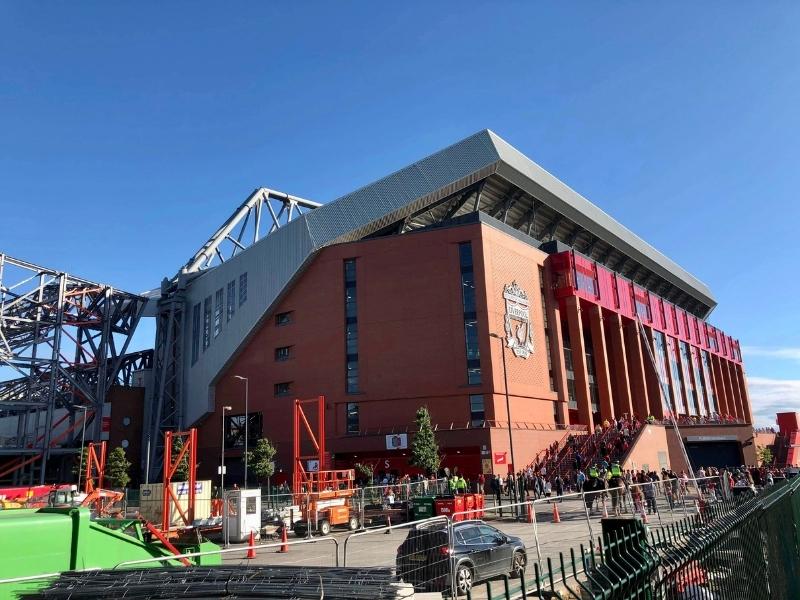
206, 323
283, 318
351, 327
351, 415
470, 319
585, 279
282, 353
195, 332
231, 299
477, 413
218, 312
242, 288
234, 429
283, 389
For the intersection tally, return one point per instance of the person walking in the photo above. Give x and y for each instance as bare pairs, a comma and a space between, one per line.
558, 483
497, 490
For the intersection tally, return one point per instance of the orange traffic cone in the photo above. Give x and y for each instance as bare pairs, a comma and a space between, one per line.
284, 540
251, 545
388, 524
530, 512
556, 517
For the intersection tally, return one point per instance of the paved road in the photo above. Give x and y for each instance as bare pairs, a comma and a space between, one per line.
378, 548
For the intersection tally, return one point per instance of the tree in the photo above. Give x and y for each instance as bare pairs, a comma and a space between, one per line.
424, 449
261, 460
366, 471
117, 468
182, 472
765, 456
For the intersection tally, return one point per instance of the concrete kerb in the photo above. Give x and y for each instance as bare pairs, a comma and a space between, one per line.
243, 550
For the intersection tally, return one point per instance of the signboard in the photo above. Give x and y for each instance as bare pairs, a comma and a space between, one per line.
397, 441
486, 466
518, 321
222, 470
712, 438
500, 458
312, 466
183, 488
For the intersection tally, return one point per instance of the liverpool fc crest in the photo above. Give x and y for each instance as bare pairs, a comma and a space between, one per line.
518, 322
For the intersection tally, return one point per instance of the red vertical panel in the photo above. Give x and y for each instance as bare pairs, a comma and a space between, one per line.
605, 287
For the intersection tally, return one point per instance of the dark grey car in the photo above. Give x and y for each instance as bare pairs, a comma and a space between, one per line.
479, 552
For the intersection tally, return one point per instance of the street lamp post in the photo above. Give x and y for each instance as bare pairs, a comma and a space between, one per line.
222, 458
246, 423
83, 443
508, 412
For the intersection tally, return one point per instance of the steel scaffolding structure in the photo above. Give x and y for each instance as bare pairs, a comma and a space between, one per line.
263, 212
63, 341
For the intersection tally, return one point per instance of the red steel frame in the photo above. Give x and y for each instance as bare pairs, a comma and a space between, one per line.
95, 463
170, 466
299, 474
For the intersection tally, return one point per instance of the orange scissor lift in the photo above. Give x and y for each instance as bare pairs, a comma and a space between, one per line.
325, 497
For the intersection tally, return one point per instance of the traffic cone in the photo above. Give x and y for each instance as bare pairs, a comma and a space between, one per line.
388, 524
284, 540
556, 517
530, 512
251, 546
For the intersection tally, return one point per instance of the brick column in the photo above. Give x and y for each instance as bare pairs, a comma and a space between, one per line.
575, 327
652, 378
636, 368
701, 389
601, 372
735, 392
556, 350
748, 409
621, 382
719, 386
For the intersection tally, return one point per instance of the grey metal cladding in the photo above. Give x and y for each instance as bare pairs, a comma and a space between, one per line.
523, 172
363, 209
270, 264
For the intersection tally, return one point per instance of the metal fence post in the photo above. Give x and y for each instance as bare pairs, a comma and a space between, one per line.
535, 531
588, 520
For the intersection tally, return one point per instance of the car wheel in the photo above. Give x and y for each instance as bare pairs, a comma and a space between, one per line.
463, 579
324, 527
353, 523
518, 564
300, 531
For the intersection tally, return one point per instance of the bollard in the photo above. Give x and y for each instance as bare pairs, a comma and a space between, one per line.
284, 541
530, 512
251, 546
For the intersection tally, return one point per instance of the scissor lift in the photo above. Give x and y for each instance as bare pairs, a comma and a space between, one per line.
324, 496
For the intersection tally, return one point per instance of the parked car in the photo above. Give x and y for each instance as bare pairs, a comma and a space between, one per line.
479, 552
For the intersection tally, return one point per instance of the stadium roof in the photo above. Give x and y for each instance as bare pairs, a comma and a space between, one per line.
483, 172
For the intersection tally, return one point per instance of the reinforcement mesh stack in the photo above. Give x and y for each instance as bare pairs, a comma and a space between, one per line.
284, 583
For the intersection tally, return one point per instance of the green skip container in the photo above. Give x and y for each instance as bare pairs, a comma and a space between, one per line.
52, 540
422, 507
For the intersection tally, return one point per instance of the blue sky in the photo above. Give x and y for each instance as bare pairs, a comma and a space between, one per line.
128, 133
